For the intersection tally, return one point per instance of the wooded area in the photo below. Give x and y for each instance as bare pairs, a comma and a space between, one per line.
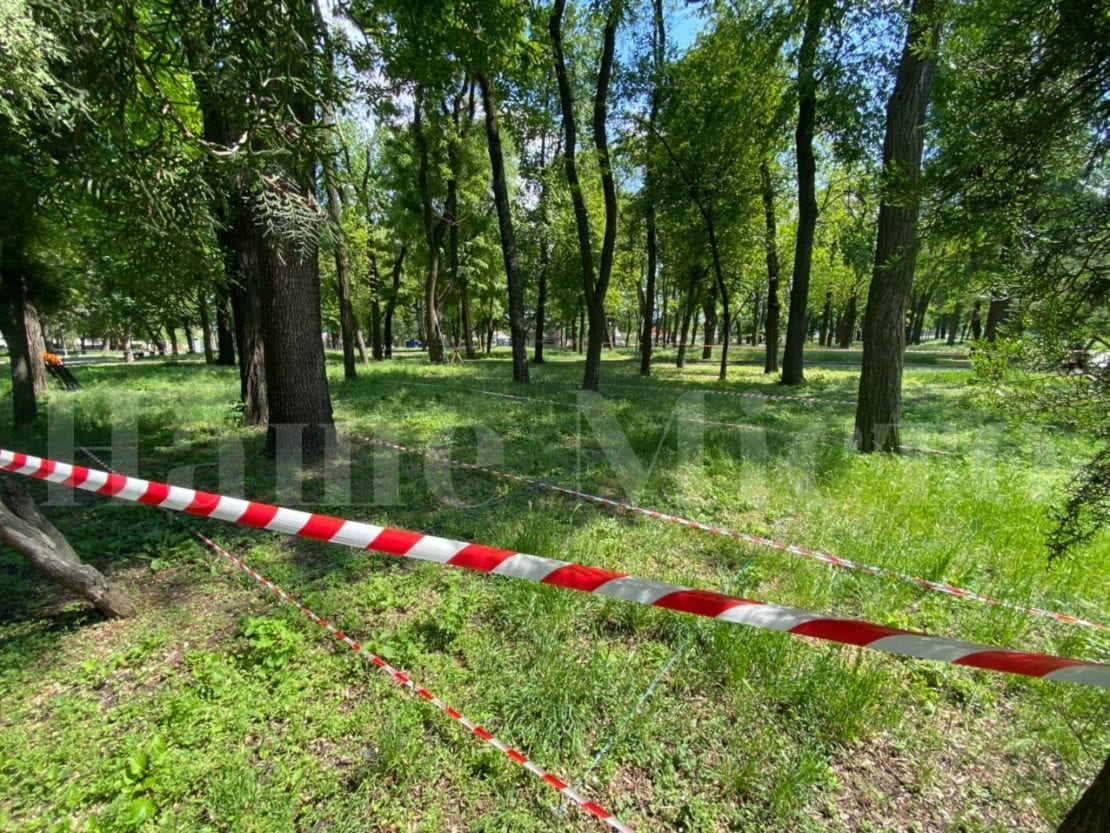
259, 183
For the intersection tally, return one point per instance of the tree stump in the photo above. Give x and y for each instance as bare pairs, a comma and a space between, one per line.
29, 533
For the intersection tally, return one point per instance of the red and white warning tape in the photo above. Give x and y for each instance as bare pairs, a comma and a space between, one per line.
563, 574
403, 679
715, 529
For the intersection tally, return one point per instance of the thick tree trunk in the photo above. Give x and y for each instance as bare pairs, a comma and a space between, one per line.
296, 381
13, 322
190, 345
594, 285
29, 533
517, 331
996, 314
953, 325
770, 243
1091, 814
879, 407
796, 325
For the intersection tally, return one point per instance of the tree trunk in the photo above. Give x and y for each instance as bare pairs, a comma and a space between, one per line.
347, 324
796, 329
825, 338
541, 302
241, 238
658, 42
225, 339
296, 380
434, 230
977, 320
919, 314
1091, 814
172, 333
594, 285
996, 314
517, 331
709, 306
687, 312
879, 407
953, 325
13, 321
27, 531
190, 345
205, 327
375, 307
391, 302
128, 353
848, 325
770, 243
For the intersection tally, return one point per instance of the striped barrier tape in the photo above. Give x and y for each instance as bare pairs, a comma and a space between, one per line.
403, 679
714, 529
566, 791
593, 580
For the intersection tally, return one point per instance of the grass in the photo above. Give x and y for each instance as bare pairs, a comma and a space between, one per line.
216, 709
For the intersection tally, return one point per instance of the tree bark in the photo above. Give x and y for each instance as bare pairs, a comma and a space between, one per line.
517, 330
434, 230
594, 285
241, 238
225, 339
391, 301
658, 42
848, 325
953, 325
825, 337
996, 314
348, 326
29, 533
770, 243
375, 307
190, 345
709, 307
13, 320
205, 327
796, 327
1091, 814
879, 406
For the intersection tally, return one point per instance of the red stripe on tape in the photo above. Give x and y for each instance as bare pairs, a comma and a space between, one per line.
479, 557
578, 577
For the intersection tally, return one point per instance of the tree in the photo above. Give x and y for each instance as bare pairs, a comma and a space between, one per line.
879, 405
27, 531
796, 330
595, 284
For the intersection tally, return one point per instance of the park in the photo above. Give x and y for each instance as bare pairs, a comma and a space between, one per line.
348, 347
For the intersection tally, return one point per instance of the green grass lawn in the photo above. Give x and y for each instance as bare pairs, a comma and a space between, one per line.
217, 709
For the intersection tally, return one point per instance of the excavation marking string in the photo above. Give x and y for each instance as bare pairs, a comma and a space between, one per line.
567, 793
525, 567
714, 529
